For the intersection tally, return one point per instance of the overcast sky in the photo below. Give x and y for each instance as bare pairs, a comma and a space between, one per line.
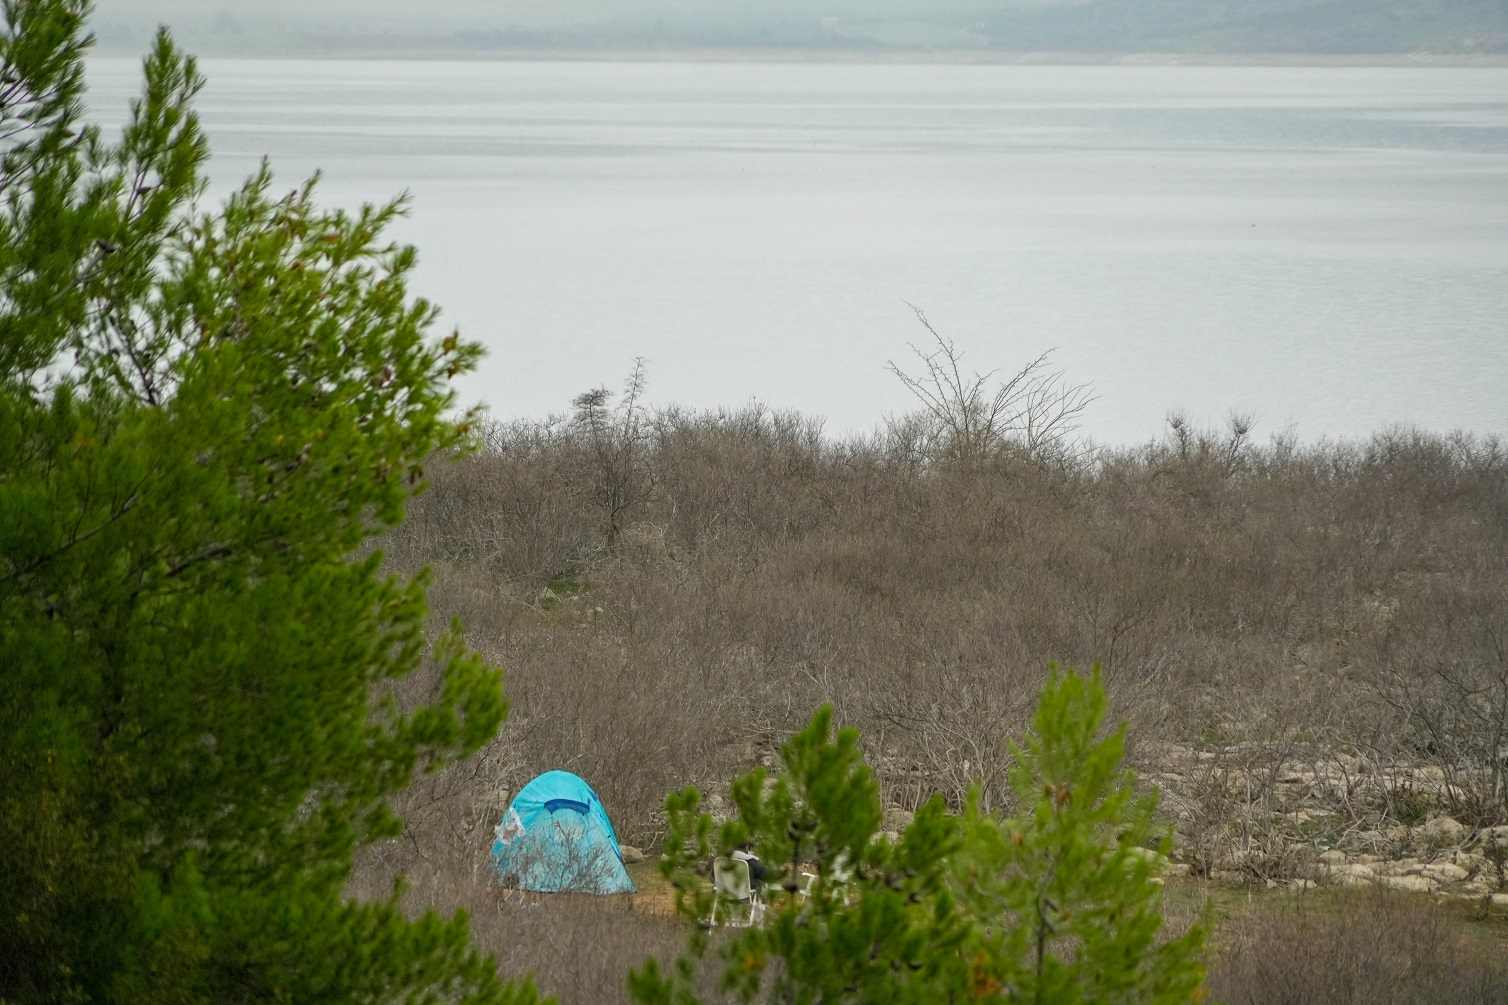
523, 13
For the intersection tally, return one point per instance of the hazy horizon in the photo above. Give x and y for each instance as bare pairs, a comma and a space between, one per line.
1192, 27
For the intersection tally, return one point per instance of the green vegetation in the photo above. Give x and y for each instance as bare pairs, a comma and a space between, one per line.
205, 417
1054, 903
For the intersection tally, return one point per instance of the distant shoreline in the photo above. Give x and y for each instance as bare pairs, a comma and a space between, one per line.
956, 57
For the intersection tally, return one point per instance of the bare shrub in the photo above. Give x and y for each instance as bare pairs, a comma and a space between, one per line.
616, 441
1439, 654
1259, 603
1307, 640
517, 512
1036, 409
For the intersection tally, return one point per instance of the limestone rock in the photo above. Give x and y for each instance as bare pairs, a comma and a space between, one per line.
1443, 829
1354, 874
1444, 872
1468, 860
1150, 854
1412, 884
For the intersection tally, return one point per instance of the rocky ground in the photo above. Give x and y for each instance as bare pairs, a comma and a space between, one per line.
1247, 814
1253, 814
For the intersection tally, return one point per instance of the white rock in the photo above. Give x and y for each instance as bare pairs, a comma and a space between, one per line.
1432, 773
1150, 854
1354, 874
1444, 829
1445, 872
897, 819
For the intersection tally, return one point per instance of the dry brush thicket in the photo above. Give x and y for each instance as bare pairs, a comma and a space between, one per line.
1310, 642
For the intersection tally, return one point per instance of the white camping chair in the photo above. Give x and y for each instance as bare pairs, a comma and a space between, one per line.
730, 882
838, 879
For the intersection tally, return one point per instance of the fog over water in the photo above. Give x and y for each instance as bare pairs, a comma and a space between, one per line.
1320, 247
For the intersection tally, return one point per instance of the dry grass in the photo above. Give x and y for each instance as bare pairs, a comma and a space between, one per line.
1362, 947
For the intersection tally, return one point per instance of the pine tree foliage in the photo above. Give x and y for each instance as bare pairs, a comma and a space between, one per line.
1056, 904
205, 416
1067, 881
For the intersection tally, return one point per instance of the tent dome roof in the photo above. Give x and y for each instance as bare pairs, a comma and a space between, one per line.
556, 837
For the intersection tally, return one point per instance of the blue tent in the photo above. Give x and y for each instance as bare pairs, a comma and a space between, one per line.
556, 838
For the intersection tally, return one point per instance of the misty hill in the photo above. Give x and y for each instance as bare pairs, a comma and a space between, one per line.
1251, 26
1083, 26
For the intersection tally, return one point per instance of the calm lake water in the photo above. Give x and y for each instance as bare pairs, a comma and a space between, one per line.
1325, 249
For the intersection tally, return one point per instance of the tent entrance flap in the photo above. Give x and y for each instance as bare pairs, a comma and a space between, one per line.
556, 838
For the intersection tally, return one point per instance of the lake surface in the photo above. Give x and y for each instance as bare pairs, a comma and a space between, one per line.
1323, 248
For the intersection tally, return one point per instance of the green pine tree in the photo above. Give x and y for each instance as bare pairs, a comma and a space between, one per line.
1055, 905
1066, 883
205, 417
